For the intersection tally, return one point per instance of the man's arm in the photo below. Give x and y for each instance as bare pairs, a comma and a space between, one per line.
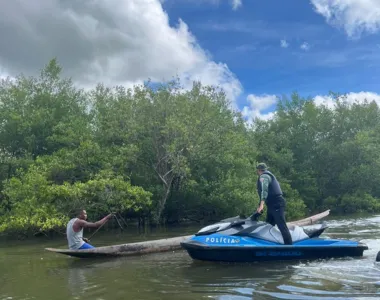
84, 224
264, 181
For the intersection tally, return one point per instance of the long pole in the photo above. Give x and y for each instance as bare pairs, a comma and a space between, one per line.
97, 230
103, 225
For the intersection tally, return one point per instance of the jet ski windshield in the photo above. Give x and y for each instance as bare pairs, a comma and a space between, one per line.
235, 222
213, 228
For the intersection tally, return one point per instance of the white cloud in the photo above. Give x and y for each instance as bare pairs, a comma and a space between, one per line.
327, 101
284, 44
212, 73
260, 105
257, 106
305, 46
236, 4
261, 102
354, 16
349, 98
95, 42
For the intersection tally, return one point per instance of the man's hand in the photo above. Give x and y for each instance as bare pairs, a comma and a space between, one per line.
86, 240
261, 207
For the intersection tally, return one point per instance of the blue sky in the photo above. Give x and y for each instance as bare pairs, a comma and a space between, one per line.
249, 39
255, 50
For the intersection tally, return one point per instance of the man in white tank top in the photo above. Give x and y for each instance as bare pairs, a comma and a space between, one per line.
74, 230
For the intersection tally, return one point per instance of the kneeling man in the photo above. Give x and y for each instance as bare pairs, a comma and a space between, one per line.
74, 230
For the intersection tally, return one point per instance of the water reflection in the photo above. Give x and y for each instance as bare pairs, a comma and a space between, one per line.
77, 282
238, 281
84, 277
27, 272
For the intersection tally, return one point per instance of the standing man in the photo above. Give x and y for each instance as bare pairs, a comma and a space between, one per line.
270, 193
74, 230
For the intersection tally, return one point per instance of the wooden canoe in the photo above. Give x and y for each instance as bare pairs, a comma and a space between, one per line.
162, 245
155, 246
310, 220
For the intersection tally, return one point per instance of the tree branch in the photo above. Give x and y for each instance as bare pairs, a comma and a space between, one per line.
163, 179
167, 173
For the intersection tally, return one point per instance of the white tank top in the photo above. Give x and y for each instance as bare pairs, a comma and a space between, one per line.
74, 238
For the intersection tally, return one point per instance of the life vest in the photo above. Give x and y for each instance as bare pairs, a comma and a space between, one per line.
274, 189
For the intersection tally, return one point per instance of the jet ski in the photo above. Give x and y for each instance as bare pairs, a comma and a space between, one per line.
240, 239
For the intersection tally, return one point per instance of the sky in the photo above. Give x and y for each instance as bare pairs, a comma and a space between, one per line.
257, 51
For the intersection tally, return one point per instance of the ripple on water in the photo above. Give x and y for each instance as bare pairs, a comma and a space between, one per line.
330, 279
343, 278
354, 223
174, 275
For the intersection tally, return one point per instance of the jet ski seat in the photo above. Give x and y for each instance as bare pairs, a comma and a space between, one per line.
273, 234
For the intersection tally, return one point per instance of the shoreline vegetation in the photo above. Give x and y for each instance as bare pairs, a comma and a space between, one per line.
160, 154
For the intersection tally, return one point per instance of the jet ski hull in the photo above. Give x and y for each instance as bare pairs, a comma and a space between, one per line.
218, 247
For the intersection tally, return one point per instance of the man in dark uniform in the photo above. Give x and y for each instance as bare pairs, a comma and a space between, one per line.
270, 193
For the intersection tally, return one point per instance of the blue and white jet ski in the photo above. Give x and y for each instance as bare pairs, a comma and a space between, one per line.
247, 240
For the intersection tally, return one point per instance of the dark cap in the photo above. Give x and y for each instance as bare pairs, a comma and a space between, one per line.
261, 166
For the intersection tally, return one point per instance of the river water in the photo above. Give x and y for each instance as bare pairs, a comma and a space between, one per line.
27, 271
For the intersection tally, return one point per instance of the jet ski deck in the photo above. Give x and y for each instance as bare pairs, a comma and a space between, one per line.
246, 240
219, 247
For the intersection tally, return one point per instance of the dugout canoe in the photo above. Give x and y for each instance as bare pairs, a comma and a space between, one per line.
310, 220
155, 246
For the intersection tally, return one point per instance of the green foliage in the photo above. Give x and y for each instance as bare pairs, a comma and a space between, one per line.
359, 202
326, 154
159, 152
168, 154
187, 141
41, 115
39, 204
295, 207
